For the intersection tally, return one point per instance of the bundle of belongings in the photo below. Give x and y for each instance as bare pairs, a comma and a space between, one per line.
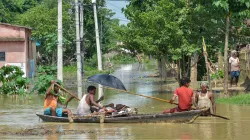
115, 111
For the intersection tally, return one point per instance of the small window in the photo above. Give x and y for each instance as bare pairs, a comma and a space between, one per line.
2, 56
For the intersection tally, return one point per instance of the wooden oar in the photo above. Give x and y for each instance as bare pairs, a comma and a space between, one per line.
219, 116
139, 94
160, 100
67, 91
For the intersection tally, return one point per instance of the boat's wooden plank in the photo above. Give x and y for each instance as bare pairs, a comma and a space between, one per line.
180, 117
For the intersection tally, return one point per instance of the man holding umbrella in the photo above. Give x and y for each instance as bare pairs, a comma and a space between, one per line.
87, 101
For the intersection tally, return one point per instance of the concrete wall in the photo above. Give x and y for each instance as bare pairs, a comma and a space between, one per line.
11, 32
14, 52
16, 43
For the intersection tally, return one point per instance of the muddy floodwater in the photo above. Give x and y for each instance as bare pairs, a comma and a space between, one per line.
17, 116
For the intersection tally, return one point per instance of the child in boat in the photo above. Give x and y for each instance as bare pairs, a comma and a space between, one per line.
185, 97
88, 100
51, 102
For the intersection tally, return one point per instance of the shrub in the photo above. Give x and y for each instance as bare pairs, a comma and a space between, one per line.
44, 77
13, 81
218, 74
49, 70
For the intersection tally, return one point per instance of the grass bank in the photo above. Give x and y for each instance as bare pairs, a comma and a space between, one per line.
243, 99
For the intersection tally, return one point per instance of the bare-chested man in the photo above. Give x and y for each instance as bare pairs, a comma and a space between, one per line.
204, 98
88, 100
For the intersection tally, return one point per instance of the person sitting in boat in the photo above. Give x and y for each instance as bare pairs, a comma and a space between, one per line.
51, 101
185, 96
204, 98
88, 100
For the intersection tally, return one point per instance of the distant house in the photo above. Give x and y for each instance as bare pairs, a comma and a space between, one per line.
16, 48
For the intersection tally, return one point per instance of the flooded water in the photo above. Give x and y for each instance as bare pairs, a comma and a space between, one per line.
20, 114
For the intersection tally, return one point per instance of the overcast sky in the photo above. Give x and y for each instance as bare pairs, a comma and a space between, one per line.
116, 7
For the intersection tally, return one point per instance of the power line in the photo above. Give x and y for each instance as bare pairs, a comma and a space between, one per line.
115, 6
116, 11
119, 10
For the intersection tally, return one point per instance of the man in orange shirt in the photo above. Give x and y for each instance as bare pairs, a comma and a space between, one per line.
51, 100
184, 95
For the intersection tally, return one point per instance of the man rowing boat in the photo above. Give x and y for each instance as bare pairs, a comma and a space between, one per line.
51, 100
184, 95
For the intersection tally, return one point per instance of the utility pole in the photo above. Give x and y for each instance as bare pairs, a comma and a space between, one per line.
60, 44
99, 56
78, 52
82, 39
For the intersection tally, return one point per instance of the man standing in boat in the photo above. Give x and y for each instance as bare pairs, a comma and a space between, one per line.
51, 102
185, 96
204, 98
88, 100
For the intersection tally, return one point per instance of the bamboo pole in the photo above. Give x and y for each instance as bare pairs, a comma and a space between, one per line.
159, 99
207, 64
67, 91
139, 95
225, 86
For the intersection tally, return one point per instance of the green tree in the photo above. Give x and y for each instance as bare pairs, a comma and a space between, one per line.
236, 11
9, 9
159, 28
43, 19
174, 29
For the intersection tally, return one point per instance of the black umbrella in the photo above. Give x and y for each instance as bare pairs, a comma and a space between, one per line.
107, 80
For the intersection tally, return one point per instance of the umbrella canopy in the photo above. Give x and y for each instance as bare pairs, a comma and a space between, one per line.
107, 80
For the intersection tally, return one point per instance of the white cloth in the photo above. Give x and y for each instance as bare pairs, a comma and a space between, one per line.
83, 107
204, 101
234, 63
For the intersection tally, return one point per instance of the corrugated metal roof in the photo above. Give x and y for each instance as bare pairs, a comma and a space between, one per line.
16, 25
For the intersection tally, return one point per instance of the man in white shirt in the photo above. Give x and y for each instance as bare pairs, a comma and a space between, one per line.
234, 68
87, 101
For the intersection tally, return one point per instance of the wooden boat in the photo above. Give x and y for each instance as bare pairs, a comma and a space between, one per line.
179, 117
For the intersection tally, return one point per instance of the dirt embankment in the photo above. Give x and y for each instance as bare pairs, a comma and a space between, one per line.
44, 131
